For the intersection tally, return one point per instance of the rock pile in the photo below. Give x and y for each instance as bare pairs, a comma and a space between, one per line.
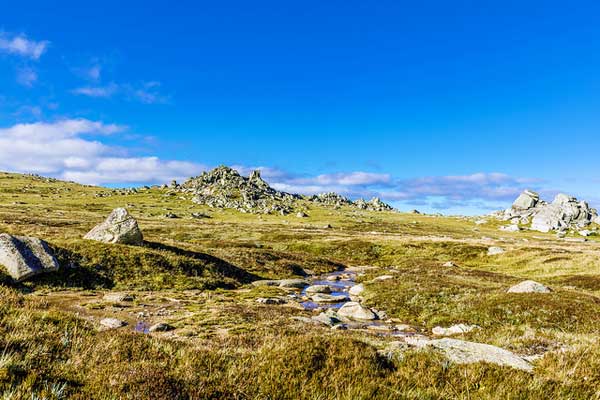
563, 213
224, 187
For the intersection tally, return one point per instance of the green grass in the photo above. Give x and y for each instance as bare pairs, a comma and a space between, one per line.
196, 275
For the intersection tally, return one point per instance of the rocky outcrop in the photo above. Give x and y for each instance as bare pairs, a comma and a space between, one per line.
24, 256
375, 204
119, 227
564, 213
224, 187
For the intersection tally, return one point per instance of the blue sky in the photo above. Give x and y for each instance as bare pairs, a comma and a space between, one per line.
442, 106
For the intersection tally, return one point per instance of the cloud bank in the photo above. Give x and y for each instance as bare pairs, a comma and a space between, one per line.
72, 149
76, 149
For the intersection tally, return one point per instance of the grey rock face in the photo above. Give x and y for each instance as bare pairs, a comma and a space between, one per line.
526, 200
529, 287
328, 298
119, 227
24, 256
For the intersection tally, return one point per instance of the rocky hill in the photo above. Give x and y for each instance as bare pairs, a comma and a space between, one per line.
224, 187
564, 213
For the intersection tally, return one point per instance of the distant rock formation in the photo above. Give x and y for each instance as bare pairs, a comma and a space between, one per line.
564, 213
25, 256
119, 227
224, 187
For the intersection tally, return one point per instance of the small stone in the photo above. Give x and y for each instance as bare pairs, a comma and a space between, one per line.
449, 264
161, 327
318, 289
453, 330
357, 290
112, 323
492, 251
118, 297
383, 278
270, 300
293, 283
529, 287
328, 298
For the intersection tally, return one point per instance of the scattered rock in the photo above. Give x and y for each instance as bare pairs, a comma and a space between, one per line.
118, 297
510, 228
199, 215
356, 311
266, 282
270, 300
357, 290
383, 278
529, 287
293, 283
492, 251
161, 327
112, 323
326, 319
449, 264
171, 215
24, 256
328, 298
119, 227
302, 215
453, 330
318, 289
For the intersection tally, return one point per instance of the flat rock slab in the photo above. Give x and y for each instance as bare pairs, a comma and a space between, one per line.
328, 298
529, 287
493, 251
357, 290
119, 227
293, 283
25, 256
318, 289
462, 352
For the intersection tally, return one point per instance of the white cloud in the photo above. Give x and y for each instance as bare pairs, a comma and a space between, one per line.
70, 149
97, 91
147, 92
20, 45
26, 76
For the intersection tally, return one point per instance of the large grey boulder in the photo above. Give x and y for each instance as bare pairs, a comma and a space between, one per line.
25, 256
355, 310
526, 200
119, 227
463, 352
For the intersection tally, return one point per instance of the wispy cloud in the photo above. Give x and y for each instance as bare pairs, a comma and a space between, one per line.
22, 46
146, 92
73, 149
97, 91
26, 76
